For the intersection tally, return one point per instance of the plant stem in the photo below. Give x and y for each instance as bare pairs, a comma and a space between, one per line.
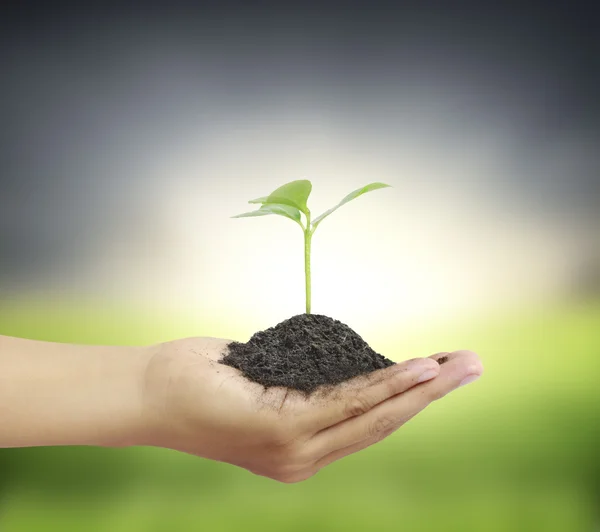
307, 240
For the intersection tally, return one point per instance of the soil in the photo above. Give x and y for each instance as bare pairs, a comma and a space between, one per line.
304, 352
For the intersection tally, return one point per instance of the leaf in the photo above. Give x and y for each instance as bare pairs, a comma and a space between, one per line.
295, 194
273, 208
260, 200
353, 195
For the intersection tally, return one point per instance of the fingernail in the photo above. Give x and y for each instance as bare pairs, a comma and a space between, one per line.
428, 375
468, 380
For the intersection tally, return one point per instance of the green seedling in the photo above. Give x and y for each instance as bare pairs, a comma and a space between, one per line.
290, 201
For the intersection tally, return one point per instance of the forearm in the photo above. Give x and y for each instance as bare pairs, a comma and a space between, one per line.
62, 394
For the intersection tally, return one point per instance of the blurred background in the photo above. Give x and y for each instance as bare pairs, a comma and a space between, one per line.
130, 135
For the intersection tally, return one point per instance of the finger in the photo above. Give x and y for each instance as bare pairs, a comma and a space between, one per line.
394, 412
338, 454
363, 393
441, 358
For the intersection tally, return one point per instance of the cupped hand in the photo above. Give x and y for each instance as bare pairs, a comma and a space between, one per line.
196, 405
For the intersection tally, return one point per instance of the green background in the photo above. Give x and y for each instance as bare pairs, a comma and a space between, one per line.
518, 450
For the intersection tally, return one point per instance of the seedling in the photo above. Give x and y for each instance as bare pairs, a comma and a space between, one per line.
290, 200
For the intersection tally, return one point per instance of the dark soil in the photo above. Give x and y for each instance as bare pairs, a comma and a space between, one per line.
304, 352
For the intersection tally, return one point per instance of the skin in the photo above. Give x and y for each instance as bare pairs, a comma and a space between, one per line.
176, 395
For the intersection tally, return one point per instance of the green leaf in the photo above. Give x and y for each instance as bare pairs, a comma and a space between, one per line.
353, 195
273, 208
295, 194
260, 200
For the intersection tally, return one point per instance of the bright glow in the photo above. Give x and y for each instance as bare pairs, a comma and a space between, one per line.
429, 246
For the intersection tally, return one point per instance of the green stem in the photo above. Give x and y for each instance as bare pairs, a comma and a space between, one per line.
307, 240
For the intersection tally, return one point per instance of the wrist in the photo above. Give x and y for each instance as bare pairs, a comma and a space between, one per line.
157, 423
125, 414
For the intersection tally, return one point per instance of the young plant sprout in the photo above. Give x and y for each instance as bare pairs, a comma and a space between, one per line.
290, 200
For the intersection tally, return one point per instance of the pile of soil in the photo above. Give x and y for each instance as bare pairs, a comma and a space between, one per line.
303, 353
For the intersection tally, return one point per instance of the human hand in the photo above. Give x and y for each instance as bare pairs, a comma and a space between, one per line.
196, 405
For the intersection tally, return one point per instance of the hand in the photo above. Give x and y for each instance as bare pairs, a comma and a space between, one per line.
196, 405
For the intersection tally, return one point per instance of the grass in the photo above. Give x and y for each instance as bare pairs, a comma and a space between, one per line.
516, 451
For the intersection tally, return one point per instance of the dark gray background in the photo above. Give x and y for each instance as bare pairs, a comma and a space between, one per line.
89, 90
